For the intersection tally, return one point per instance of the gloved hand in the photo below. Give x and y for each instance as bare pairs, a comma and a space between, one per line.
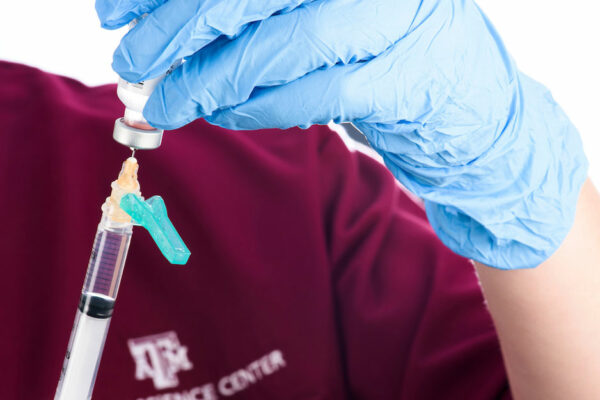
429, 83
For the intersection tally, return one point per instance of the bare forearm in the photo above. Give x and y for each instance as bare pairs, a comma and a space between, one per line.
548, 318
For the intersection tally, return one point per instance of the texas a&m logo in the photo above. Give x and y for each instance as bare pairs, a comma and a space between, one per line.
159, 357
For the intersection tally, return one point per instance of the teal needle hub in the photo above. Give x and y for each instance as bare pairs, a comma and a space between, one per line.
152, 215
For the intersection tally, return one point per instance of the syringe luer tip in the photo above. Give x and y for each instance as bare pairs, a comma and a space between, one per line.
127, 182
128, 176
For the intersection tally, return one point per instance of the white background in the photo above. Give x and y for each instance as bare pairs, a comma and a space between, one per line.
555, 41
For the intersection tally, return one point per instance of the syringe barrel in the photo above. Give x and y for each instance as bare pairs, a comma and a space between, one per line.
95, 310
105, 267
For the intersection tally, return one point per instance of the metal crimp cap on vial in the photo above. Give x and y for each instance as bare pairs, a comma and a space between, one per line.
141, 139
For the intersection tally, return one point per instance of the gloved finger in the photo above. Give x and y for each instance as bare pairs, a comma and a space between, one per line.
342, 93
317, 98
114, 14
180, 28
286, 47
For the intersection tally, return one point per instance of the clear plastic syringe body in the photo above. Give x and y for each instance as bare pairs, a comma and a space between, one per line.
95, 310
99, 292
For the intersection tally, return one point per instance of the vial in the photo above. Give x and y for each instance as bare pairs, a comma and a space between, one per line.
132, 130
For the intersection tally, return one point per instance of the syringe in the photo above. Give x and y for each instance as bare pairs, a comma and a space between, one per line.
99, 291
105, 268
124, 208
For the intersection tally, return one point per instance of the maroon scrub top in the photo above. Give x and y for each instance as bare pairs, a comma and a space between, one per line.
312, 274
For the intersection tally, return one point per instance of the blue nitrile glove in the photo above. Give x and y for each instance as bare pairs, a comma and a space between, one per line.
428, 81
